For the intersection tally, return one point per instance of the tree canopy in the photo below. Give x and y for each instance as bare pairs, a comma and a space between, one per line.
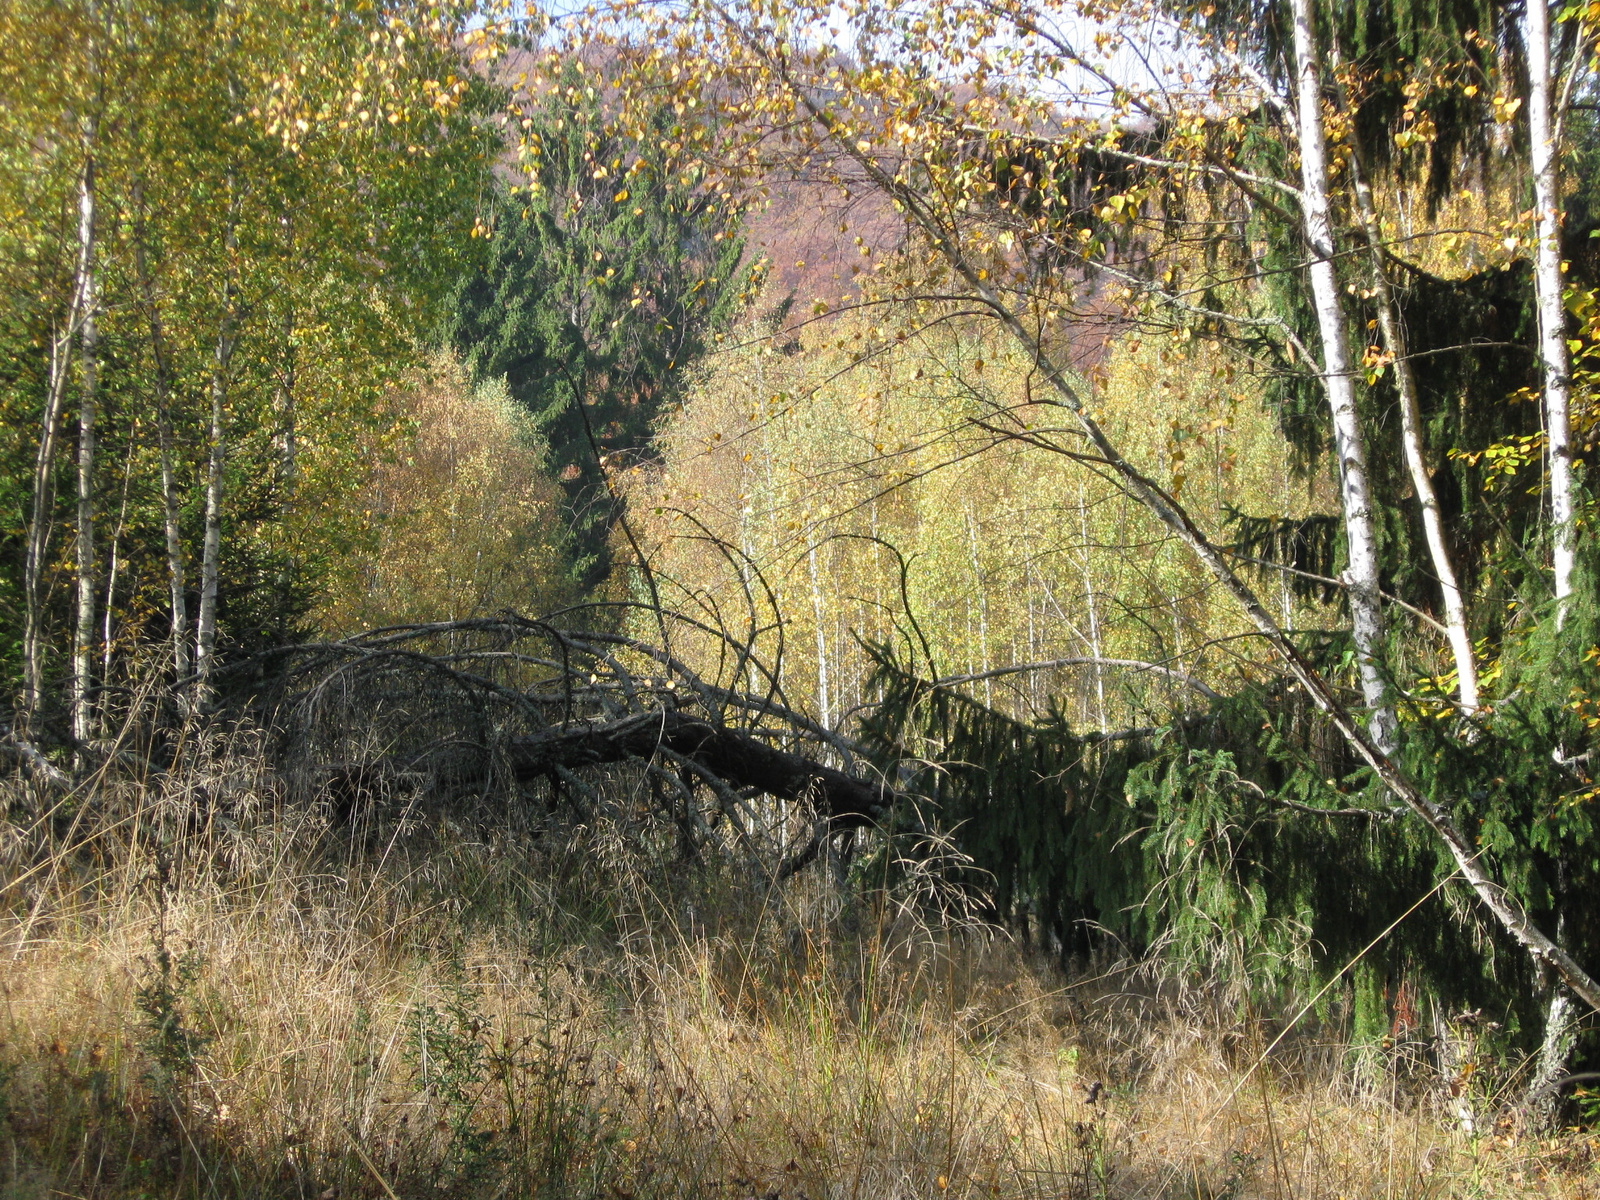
610, 267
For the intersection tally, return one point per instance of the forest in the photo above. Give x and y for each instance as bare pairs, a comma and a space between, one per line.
797, 600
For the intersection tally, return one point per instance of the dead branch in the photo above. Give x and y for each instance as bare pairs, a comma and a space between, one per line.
507, 701
18, 748
738, 758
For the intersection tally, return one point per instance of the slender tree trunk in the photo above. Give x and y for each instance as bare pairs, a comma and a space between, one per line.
114, 567
1452, 1054
1544, 153
42, 516
89, 363
1366, 615
172, 521
1411, 437
288, 445
983, 604
171, 506
1560, 1036
1547, 288
823, 709
288, 452
211, 542
1468, 859
1140, 487
216, 459
1033, 637
1093, 606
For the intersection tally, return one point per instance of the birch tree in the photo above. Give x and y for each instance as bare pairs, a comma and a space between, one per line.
235, 224
1338, 376
1411, 435
947, 157
89, 366
1548, 283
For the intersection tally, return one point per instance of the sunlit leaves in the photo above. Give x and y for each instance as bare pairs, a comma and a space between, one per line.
293, 183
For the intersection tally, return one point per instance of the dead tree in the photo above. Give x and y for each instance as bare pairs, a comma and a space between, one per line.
499, 705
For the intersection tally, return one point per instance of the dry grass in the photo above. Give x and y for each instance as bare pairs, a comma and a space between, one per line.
209, 992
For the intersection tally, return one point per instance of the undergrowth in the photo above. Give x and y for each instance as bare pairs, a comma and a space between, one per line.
210, 989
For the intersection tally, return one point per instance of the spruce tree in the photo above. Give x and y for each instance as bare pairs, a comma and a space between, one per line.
610, 268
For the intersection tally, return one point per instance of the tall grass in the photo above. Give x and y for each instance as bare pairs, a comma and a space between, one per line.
210, 988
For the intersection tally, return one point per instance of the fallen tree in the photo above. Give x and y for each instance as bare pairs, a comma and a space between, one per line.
506, 703
737, 757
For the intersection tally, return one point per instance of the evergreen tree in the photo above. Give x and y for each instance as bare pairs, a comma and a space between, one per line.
608, 272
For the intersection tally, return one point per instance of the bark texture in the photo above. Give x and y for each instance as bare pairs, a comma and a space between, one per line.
216, 459
171, 505
1547, 284
1411, 437
1171, 513
734, 756
1355, 493
89, 366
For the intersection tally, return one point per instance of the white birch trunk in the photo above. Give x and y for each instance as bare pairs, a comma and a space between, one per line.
1093, 605
41, 517
1394, 341
114, 569
1560, 1036
1431, 810
983, 605
823, 710
288, 455
1547, 290
216, 459
89, 363
1544, 156
211, 542
1361, 577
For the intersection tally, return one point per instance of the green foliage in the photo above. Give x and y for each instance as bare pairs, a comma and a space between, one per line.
1476, 397
829, 462
1307, 546
1428, 72
608, 272
449, 1049
165, 998
514, 1109
173, 1044
464, 520
1039, 810
283, 197
1243, 844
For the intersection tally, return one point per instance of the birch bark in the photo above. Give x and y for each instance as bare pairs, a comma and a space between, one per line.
824, 710
1547, 288
1411, 437
1553, 357
216, 458
1468, 859
170, 504
82, 682
41, 517
1366, 615
108, 606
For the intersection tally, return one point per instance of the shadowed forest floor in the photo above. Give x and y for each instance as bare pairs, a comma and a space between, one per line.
212, 992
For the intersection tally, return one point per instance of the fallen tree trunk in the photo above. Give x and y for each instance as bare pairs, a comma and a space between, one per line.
737, 757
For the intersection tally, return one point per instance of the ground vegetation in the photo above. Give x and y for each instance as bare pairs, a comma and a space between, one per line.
682, 599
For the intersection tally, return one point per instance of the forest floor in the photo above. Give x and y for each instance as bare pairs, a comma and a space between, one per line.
212, 992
